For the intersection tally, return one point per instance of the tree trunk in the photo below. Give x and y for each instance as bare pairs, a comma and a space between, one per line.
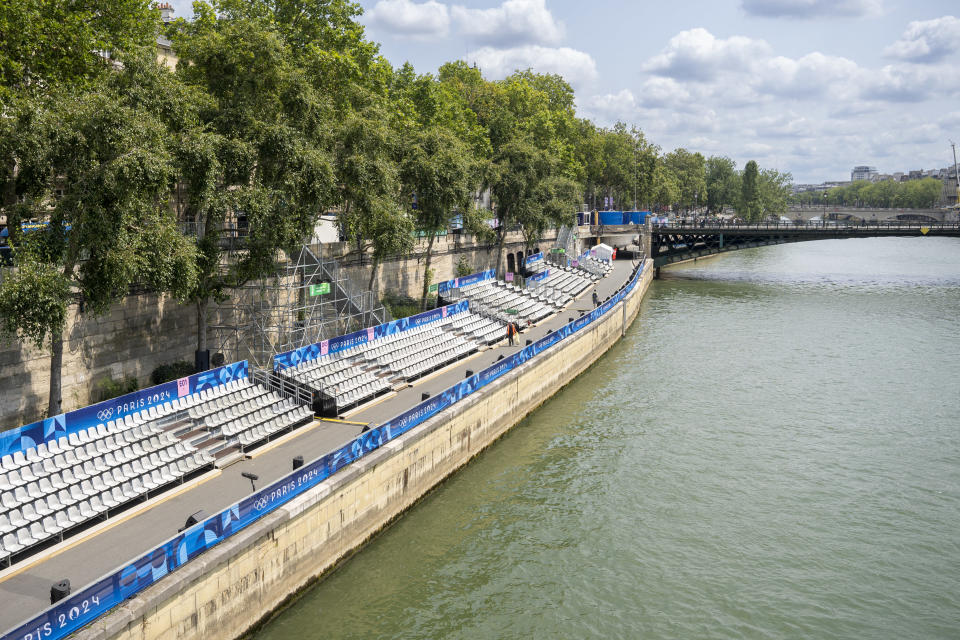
202, 305
500, 242
426, 272
55, 406
55, 395
373, 281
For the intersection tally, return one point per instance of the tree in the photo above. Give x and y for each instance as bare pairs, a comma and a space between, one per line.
773, 189
528, 191
439, 170
749, 206
723, 183
110, 225
47, 43
665, 189
370, 191
257, 162
689, 170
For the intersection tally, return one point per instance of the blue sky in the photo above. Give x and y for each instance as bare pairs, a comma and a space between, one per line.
813, 87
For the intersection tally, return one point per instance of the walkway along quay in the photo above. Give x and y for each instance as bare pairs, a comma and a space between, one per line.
222, 572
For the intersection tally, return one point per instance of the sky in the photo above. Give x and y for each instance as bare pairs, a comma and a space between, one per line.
813, 87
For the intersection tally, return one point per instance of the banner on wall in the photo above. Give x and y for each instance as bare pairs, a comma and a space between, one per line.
310, 352
536, 257
444, 287
48, 429
89, 603
537, 277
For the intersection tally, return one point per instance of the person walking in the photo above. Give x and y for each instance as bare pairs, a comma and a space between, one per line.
596, 300
511, 331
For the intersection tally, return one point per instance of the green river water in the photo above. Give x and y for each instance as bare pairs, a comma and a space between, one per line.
772, 451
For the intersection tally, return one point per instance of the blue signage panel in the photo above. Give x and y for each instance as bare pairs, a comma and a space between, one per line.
444, 287
536, 257
89, 603
48, 429
536, 277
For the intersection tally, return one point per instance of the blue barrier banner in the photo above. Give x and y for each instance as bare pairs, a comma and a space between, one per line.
540, 275
310, 352
94, 600
536, 257
48, 429
444, 287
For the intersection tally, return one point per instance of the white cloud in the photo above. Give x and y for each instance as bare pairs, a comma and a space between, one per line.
611, 107
406, 18
514, 23
577, 68
812, 75
697, 67
664, 92
927, 40
813, 8
697, 54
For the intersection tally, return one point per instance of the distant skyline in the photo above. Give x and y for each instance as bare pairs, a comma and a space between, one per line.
813, 87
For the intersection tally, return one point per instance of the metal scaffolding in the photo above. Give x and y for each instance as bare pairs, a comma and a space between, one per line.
307, 300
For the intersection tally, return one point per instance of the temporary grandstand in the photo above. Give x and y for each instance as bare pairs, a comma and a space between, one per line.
56, 487
195, 445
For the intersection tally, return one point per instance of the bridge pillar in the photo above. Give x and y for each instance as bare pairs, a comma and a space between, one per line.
646, 239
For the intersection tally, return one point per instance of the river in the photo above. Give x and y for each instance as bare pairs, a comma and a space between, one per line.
772, 451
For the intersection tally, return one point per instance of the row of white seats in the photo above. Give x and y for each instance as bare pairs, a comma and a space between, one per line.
82, 469
230, 398
55, 515
526, 305
502, 296
424, 361
288, 415
362, 392
242, 408
482, 328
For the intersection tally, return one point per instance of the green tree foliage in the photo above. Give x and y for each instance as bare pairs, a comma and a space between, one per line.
723, 183
438, 168
913, 194
529, 191
257, 158
370, 190
690, 172
46, 43
750, 207
109, 225
774, 191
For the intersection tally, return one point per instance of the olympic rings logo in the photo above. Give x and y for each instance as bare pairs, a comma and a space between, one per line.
105, 414
261, 504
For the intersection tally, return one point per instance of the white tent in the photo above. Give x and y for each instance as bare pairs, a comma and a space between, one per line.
602, 252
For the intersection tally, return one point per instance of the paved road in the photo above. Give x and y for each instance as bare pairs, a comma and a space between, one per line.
25, 588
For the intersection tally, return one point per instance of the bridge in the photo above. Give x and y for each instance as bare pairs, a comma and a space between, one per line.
679, 242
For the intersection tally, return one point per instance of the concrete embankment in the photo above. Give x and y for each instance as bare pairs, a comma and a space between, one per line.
221, 594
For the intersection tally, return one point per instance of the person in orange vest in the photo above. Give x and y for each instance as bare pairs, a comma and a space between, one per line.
511, 331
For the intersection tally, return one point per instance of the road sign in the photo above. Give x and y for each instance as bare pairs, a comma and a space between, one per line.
318, 289
434, 287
